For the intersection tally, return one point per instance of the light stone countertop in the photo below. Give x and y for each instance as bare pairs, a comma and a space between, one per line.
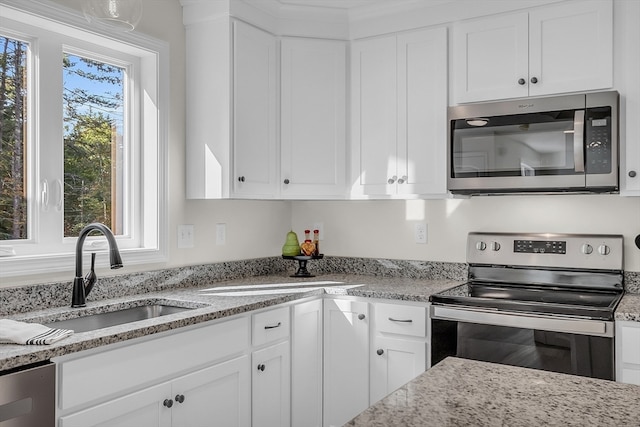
460, 392
629, 309
221, 299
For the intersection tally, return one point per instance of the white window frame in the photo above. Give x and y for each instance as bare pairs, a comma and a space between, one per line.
145, 238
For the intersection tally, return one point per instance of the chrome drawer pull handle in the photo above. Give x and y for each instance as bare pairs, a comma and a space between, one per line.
401, 320
273, 327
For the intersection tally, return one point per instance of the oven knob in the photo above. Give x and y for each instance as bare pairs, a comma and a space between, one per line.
495, 246
604, 250
481, 246
586, 249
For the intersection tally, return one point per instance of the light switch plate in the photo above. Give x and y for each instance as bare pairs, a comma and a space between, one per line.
185, 236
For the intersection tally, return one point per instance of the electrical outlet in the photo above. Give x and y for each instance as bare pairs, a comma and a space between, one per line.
221, 234
420, 232
320, 227
185, 236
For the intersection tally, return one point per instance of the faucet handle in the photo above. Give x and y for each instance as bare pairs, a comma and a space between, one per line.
91, 278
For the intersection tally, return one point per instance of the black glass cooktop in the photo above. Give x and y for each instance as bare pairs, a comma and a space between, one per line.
593, 304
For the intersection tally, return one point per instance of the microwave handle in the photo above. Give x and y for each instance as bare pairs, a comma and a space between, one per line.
578, 140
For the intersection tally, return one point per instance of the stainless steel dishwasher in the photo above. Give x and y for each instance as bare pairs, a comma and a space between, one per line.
27, 397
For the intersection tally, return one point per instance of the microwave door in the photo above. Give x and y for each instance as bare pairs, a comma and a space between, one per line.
522, 152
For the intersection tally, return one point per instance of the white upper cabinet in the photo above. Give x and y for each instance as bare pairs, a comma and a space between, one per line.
399, 99
254, 112
231, 110
313, 118
627, 79
553, 49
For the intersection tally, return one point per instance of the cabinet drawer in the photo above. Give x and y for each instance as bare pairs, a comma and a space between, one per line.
99, 375
401, 319
270, 326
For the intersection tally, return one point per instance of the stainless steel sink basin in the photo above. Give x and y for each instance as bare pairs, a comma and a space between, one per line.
92, 322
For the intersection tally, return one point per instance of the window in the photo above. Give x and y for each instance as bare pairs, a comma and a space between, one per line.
83, 139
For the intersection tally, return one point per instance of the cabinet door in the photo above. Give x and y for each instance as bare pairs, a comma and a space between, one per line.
254, 111
571, 47
395, 362
422, 112
141, 409
313, 131
271, 386
627, 69
628, 352
346, 361
218, 395
374, 118
491, 58
306, 365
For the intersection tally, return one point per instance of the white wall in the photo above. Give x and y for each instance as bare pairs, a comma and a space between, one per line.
385, 228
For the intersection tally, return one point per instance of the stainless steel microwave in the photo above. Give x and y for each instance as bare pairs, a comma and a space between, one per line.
553, 144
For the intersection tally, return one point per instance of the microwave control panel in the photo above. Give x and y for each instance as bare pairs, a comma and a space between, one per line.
598, 140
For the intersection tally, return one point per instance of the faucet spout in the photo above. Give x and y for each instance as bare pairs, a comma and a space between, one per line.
82, 287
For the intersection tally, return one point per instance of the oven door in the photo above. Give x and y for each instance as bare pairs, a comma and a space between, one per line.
566, 345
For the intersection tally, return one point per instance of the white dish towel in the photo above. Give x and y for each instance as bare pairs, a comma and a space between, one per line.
15, 332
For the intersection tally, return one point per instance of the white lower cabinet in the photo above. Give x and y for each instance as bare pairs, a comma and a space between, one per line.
270, 392
628, 352
218, 395
306, 364
143, 408
399, 350
316, 363
346, 360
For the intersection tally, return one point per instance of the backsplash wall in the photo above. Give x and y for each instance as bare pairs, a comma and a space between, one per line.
386, 228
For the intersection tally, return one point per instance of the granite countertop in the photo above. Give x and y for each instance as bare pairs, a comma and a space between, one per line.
218, 300
460, 392
629, 308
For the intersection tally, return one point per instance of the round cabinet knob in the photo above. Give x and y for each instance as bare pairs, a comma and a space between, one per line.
402, 180
286, 181
180, 398
521, 81
380, 352
495, 246
586, 249
361, 316
534, 80
241, 179
261, 367
632, 174
481, 246
168, 403
604, 250
392, 179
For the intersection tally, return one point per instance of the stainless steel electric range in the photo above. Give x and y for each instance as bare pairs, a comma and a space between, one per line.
543, 301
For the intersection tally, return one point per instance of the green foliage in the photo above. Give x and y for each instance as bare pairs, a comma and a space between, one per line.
13, 200
87, 177
90, 133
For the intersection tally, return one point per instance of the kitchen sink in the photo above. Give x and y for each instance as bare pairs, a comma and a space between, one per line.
92, 322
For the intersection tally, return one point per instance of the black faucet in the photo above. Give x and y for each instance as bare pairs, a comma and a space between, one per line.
82, 287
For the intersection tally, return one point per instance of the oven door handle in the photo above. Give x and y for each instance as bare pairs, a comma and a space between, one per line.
578, 141
525, 321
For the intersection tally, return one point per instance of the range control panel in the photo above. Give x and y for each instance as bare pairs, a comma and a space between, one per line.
540, 246
583, 251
